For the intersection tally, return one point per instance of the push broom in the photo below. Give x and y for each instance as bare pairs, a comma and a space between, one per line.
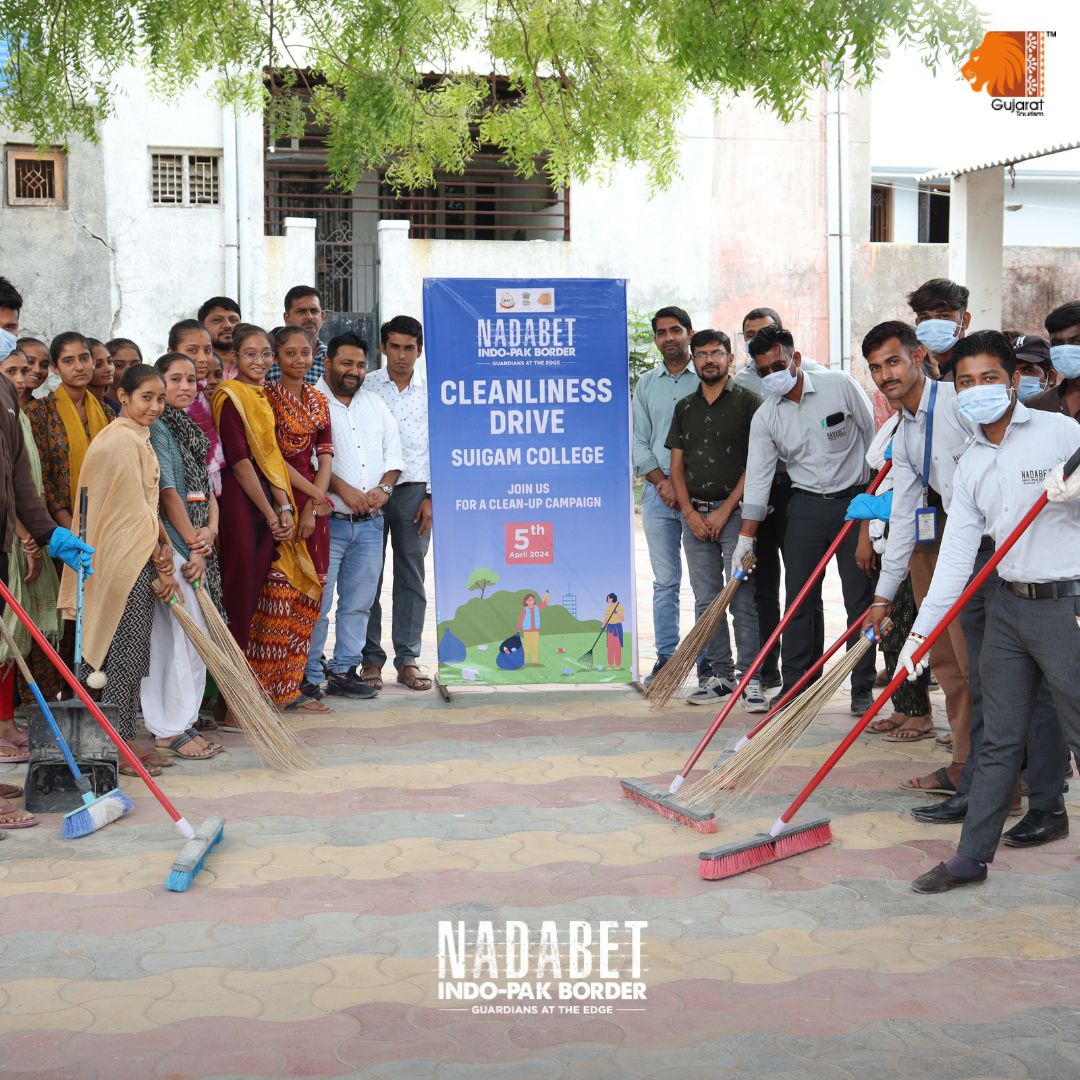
199, 841
782, 841
652, 797
95, 813
673, 674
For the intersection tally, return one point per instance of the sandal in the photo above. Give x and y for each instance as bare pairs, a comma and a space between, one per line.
206, 723
372, 675
185, 738
21, 740
10, 791
126, 770
906, 734
11, 817
887, 724
419, 681
304, 704
945, 740
940, 784
10, 754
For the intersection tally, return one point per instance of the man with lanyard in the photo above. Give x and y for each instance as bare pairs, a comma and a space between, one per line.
820, 426
1031, 626
941, 319
655, 396
708, 441
929, 441
1063, 326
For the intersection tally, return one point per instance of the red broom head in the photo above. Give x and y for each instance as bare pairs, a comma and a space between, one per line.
725, 862
652, 798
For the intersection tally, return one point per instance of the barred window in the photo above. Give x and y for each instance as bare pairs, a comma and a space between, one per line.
35, 179
179, 178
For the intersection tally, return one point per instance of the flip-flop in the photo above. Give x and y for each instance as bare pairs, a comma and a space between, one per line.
10, 791
126, 770
19, 757
886, 724
17, 824
944, 785
183, 739
304, 704
945, 740
917, 736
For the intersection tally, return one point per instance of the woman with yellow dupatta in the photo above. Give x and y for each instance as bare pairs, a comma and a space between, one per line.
133, 563
65, 423
269, 584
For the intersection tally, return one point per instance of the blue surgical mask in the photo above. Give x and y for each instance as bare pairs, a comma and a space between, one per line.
938, 335
1066, 359
779, 382
984, 404
8, 342
1030, 385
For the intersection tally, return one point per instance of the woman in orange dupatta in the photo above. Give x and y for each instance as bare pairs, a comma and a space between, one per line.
269, 584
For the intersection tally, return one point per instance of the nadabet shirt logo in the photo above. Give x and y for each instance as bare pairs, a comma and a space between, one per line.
1009, 64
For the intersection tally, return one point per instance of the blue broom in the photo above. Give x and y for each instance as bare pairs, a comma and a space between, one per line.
95, 813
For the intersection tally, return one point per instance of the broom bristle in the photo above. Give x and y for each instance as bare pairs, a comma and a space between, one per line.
669, 680
725, 862
95, 815
276, 745
193, 854
652, 798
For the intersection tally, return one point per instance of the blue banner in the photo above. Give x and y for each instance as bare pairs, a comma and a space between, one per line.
529, 420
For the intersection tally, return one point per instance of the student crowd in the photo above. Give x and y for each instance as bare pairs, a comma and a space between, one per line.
771, 459
264, 466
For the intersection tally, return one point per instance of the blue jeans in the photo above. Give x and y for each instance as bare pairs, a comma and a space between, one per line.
663, 532
355, 565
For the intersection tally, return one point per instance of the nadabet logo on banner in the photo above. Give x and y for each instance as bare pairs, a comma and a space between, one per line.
530, 477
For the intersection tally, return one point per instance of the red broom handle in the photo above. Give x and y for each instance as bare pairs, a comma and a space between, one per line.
833, 649
89, 702
975, 584
774, 637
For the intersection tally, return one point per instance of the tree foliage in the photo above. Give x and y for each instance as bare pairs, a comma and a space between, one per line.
586, 82
481, 579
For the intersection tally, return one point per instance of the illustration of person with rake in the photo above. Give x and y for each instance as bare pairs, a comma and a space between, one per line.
613, 621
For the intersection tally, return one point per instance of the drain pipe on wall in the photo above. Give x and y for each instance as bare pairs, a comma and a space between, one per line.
230, 202
838, 226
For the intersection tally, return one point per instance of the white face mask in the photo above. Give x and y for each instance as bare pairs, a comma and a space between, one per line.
780, 382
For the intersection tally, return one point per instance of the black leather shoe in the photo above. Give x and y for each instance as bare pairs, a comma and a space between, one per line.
940, 880
1038, 827
861, 702
946, 812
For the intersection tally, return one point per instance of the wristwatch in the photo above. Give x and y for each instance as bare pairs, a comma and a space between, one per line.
387, 489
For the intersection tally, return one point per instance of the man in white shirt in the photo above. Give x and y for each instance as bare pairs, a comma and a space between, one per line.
408, 513
367, 461
1031, 623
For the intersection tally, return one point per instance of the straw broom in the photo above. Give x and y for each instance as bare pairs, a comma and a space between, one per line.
276, 745
673, 674
733, 781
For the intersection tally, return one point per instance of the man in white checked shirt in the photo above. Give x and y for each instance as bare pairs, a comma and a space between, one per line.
408, 514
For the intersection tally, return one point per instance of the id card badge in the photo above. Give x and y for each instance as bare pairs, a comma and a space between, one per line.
926, 531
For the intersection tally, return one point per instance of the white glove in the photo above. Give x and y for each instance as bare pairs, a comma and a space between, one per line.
1058, 489
743, 546
914, 670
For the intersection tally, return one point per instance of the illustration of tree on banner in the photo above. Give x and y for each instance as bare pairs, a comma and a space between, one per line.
481, 578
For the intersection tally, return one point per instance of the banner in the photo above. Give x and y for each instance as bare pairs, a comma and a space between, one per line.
529, 421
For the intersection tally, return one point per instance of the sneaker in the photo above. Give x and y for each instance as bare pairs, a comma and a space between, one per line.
861, 702
771, 682
349, 684
311, 690
715, 692
660, 662
753, 699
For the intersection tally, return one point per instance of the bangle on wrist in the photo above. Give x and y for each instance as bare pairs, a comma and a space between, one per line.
881, 603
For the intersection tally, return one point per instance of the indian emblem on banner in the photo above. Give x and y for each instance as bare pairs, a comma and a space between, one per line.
1010, 65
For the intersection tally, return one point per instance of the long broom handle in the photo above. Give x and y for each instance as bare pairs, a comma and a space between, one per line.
832, 650
774, 637
65, 673
84, 499
974, 585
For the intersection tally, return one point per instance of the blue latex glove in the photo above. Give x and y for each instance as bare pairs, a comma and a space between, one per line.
870, 507
888, 451
64, 544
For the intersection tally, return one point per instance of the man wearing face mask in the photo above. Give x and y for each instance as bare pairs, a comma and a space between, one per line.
1031, 631
820, 426
1063, 326
1032, 365
941, 318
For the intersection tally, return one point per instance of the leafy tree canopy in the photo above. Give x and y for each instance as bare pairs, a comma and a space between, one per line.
587, 82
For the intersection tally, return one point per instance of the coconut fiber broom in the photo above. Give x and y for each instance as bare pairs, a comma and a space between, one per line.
782, 841
276, 745
673, 674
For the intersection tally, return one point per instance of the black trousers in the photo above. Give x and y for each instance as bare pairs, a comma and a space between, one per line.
768, 550
812, 525
1047, 755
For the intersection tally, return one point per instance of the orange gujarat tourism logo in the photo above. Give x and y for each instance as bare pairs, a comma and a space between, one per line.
1010, 65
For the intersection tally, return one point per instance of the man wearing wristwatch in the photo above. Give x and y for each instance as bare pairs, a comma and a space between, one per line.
367, 462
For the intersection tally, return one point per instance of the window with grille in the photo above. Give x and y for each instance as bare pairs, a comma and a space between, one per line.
180, 178
35, 179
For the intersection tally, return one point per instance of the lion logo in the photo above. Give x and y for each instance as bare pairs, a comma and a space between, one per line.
1008, 64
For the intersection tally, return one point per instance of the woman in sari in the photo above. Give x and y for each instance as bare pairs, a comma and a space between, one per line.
133, 563
101, 377
268, 580
302, 424
190, 339
173, 691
